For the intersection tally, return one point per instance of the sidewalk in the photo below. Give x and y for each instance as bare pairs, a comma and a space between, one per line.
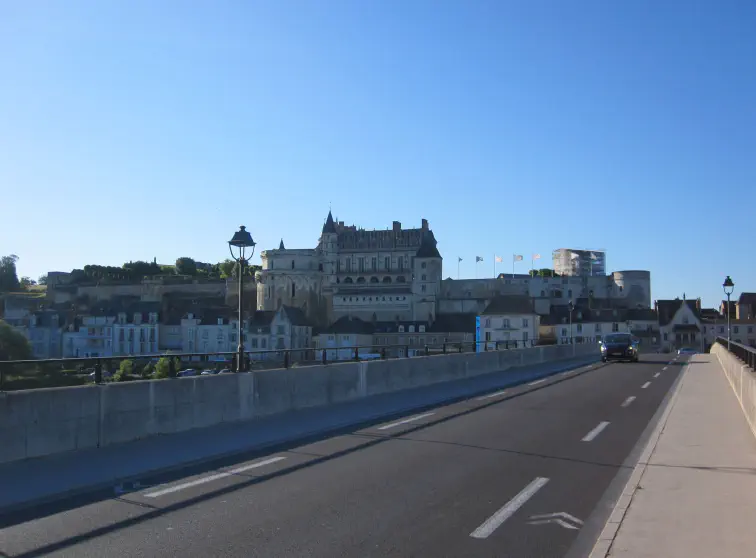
693, 493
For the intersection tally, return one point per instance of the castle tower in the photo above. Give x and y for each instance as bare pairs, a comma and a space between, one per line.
427, 274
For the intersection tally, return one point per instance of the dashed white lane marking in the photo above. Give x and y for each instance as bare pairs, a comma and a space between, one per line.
663, 369
491, 395
211, 478
627, 401
595, 432
493, 522
657, 374
537, 382
405, 421
644, 386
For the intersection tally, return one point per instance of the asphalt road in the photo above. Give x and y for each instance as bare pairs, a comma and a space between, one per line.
466, 479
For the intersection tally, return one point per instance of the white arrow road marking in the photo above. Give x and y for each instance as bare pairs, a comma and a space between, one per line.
557, 521
560, 518
504, 513
405, 421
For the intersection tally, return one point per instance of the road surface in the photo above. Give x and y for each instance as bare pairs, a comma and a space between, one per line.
509, 473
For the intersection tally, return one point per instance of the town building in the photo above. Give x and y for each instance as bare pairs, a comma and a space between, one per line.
509, 319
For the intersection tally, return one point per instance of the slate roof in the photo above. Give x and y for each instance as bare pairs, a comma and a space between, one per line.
348, 324
296, 316
457, 322
668, 308
510, 304
329, 226
428, 248
261, 319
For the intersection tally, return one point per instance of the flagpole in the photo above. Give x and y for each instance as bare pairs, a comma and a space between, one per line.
513, 262
494, 262
458, 260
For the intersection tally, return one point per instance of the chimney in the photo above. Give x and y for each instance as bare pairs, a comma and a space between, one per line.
698, 304
425, 224
397, 227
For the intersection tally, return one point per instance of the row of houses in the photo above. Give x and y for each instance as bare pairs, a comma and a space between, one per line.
131, 327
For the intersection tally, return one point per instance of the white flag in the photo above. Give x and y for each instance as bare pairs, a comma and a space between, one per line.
517, 258
499, 259
536, 256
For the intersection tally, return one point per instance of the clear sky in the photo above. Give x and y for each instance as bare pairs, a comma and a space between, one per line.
140, 129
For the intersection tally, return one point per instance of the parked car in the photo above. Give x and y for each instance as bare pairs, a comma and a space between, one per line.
686, 351
225, 371
619, 346
187, 373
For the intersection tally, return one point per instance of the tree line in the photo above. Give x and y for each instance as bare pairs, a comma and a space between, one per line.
130, 272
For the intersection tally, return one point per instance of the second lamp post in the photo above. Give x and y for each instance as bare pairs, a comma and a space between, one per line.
728, 287
242, 241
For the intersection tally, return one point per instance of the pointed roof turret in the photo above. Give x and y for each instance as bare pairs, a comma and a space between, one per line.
329, 226
281, 246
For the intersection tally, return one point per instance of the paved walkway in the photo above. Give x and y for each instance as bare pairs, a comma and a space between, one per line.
693, 493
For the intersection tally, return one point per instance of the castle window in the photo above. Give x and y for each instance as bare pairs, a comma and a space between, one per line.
423, 265
292, 264
293, 290
320, 267
374, 280
360, 279
387, 279
424, 278
400, 279
348, 280
422, 288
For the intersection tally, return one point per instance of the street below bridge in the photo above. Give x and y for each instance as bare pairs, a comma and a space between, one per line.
527, 471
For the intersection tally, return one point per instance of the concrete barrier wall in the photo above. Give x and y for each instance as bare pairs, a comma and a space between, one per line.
742, 379
40, 422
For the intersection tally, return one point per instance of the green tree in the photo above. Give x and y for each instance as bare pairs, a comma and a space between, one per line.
8, 275
186, 266
42, 280
227, 269
148, 369
26, 283
162, 368
13, 345
124, 371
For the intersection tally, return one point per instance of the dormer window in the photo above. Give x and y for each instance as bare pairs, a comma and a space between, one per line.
579, 315
412, 329
137, 318
401, 329
153, 317
220, 321
422, 329
121, 318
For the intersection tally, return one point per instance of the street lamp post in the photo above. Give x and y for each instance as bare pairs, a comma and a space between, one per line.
241, 240
728, 287
571, 306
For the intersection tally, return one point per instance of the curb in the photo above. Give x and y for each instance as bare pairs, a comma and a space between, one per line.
603, 545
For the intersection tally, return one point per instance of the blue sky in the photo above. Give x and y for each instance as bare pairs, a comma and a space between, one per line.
141, 129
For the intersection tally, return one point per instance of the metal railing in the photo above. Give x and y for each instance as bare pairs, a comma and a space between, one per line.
72, 371
743, 352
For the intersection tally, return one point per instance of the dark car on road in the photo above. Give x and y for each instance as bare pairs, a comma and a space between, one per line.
619, 346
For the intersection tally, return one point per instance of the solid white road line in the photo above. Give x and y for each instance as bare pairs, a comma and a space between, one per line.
595, 432
627, 401
537, 382
490, 395
493, 522
644, 386
405, 421
211, 478
657, 374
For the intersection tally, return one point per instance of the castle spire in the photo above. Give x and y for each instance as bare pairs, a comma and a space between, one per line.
281, 246
329, 226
